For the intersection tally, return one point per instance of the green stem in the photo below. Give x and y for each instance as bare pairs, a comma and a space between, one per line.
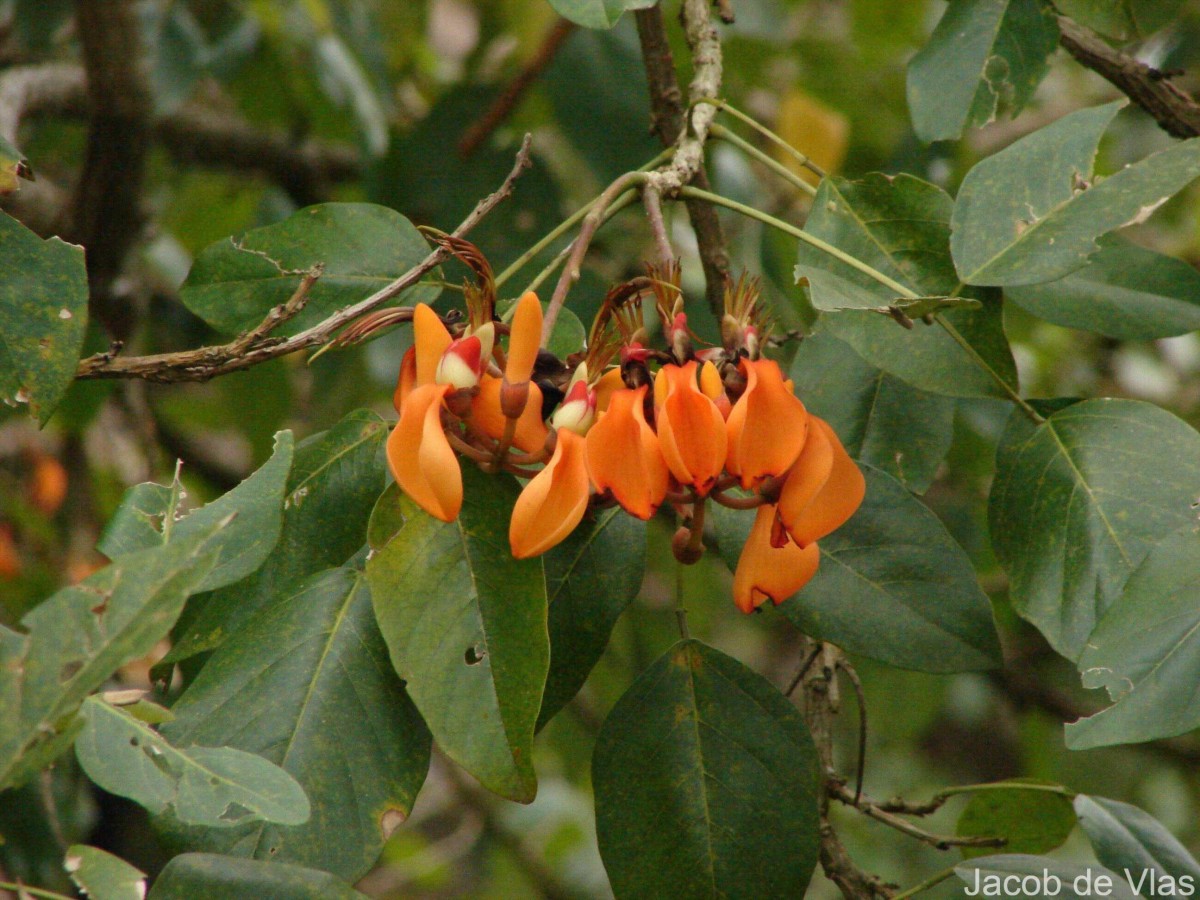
1007, 786
615, 207
925, 885
875, 274
32, 891
724, 134
765, 132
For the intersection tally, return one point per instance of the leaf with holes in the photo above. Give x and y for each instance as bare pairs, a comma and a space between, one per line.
1078, 502
1033, 211
466, 628
235, 282
1145, 651
77, 638
214, 786
900, 226
103, 876
43, 317
985, 58
706, 783
209, 876
311, 672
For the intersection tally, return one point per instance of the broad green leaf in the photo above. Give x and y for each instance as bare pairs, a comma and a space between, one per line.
38, 817
892, 585
335, 478
1145, 651
900, 227
1048, 877
466, 628
147, 516
43, 317
985, 58
1121, 19
705, 779
1077, 503
1032, 212
210, 876
77, 638
214, 786
102, 876
1126, 838
235, 282
590, 578
880, 419
1124, 292
597, 13
311, 672
1030, 821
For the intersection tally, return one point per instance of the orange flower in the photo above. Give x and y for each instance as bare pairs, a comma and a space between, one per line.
554, 500
526, 335
823, 488
691, 430
488, 417
766, 427
771, 566
408, 378
623, 455
421, 458
431, 340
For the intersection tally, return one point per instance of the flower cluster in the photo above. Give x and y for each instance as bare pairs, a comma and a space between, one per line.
623, 423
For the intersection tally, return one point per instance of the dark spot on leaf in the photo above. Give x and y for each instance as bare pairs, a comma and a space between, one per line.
474, 655
69, 670
214, 781
100, 608
133, 742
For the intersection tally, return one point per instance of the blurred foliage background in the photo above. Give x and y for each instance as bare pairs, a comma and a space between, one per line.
386, 101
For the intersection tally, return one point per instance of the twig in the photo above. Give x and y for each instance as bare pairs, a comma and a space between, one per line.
1176, 113
837, 789
844, 666
654, 215
209, 362
512, 95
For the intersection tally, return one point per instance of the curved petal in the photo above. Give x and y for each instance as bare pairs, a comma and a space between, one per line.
610, 382
807, 475
765, 571
834, 502
624, 457
554, 500
767, 426
525, 336
431, 339
691, 431
487, 416
407, 380
421, 458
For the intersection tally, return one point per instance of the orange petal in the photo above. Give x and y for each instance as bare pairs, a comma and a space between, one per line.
431, 339
766, 427
421, 458
765, 571
609, 383
624, 457
487, 416
834, 501
526, 334
408, 378
691, 431
554, 500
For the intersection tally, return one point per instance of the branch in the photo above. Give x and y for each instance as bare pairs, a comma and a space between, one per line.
880, 813
667, 110
256, 346
1177, 113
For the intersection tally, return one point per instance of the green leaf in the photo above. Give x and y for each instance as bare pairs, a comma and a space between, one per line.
1146, 651
892, 585
1077, 503
1126, 838
335, 478
900, 227
1030, 821
706, 783
102, 876
1064, 880
591, 578
880, 419
1124, 292
215, 786
43, 317
1121, 19
466, 628
235, 282
77, 638
209, 876
1031, 213
597, 13
311, 672
146, 517
985, 58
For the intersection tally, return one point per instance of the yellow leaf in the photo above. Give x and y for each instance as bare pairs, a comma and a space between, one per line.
819, 132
